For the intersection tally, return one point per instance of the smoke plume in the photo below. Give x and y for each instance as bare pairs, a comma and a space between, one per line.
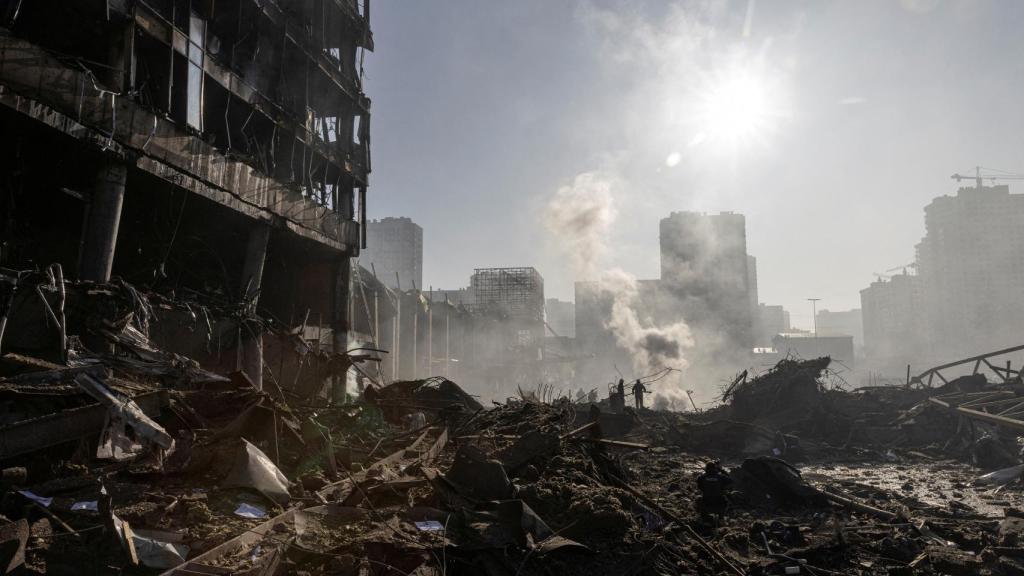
652, 347
579, 217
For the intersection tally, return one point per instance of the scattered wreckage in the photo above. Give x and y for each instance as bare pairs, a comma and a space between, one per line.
118, 456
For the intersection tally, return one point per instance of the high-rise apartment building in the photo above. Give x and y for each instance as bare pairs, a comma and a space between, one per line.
706, 269
752, 286
394, 251
971, 270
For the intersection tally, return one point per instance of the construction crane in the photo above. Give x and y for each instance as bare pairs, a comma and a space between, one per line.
902, 267
978, 177
886, 275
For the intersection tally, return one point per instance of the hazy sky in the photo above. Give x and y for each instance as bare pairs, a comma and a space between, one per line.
830, 125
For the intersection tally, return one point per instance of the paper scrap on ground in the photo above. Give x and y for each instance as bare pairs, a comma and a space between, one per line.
429, 526
36, 498
249, 511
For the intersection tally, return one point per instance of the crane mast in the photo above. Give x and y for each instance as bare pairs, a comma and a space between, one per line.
979, 178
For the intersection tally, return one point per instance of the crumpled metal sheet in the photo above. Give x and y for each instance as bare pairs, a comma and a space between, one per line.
253, 469
155, 552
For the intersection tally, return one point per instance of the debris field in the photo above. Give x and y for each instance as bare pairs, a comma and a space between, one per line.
121, 457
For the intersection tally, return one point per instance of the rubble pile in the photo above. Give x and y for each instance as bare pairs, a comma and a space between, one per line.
120, 456
798, 410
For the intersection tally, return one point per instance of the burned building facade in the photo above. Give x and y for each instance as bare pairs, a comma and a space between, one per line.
195, 147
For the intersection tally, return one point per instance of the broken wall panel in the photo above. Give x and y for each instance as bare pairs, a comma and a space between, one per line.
67, 425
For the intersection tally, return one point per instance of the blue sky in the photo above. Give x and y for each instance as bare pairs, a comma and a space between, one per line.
483, 109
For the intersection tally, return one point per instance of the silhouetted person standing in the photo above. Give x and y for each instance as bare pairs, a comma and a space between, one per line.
638, 394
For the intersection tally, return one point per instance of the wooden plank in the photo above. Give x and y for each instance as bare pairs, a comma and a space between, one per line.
435, 449
619, 443
203, 564
583, 428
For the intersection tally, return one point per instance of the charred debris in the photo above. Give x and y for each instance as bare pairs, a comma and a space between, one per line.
131, 444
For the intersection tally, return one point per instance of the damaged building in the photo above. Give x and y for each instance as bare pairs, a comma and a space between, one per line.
194, 147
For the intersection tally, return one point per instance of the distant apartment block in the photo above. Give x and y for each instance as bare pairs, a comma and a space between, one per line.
560, 317
892, 315
841, 323
705, 266
971, 270
394, 251
771, 321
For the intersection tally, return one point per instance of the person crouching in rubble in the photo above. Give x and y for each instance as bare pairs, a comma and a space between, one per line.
714, 488
638, 394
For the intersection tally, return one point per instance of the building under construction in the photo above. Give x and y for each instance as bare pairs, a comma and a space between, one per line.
516, 295
191, 146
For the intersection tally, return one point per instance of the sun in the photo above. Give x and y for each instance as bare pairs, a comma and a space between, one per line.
736, 107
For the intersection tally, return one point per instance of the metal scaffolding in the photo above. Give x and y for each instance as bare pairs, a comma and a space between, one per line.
516, 292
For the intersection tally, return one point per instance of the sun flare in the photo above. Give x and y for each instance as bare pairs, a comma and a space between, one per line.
736, 107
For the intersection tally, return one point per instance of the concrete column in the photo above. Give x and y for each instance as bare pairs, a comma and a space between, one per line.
99, 238
252, 279
341, 320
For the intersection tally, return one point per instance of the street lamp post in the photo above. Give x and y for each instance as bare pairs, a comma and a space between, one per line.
814, 313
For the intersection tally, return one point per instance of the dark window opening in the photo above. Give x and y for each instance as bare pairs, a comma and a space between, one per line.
179, 89
153, 73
